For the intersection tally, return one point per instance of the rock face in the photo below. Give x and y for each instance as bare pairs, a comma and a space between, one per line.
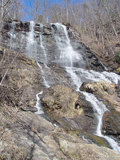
28, 136
109, 94
17, 32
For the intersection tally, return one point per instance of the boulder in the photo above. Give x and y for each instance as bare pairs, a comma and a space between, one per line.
111, 121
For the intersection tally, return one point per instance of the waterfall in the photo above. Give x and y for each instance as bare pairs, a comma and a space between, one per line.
32, 52
12, 36
67, 58
43, 76
31, 43
38, 104
99, 109
43, 48
31, 33
67, 55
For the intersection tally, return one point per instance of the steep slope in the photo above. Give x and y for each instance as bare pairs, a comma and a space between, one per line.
25, 135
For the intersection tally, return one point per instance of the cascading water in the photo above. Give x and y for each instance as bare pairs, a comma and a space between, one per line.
31, 43
31, 33
31, 48
45, 61
99, 109
38, 104
67, 55
43, 48
43, 76
67, 58
12, 35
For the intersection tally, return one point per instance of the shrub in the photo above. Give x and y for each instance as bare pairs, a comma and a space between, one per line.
117, 57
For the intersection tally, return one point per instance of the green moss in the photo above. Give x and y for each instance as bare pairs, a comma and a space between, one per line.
97, 140
118, 70
62, 148
75, 157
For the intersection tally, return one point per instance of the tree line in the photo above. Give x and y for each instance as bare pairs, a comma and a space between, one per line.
98, 19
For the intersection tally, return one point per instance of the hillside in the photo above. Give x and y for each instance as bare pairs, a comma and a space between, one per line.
57, 101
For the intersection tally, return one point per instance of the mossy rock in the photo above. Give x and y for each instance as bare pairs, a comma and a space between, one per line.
90, 138
2, 157
118, 70
97, 140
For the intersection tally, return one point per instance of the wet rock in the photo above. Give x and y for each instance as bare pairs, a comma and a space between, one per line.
22, 26
18, 26
31, 109
93, 139
47, 30
1, 53
7, 26
93, 62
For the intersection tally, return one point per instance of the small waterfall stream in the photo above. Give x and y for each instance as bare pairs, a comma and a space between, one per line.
69, 56
43, 76
31, 43
38, 104
43, 48
31, 48
12, 36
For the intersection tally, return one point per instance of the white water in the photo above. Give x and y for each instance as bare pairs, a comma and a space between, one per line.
31, 48
12, 36
43, 48
68, 56
31, 43
31, 33
99, 109
43, 76
38, 104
